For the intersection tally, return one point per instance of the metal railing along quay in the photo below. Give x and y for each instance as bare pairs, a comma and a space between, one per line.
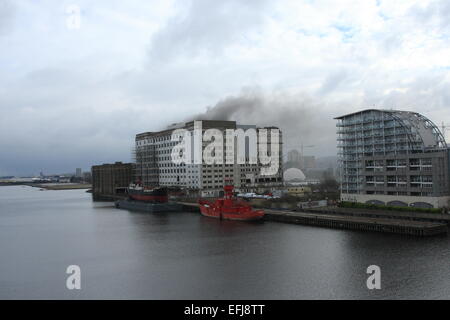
362, 223
414, 228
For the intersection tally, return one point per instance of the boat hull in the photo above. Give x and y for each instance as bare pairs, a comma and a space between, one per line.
213, 212
159, 195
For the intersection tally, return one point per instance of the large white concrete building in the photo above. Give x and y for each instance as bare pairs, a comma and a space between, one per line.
154, 165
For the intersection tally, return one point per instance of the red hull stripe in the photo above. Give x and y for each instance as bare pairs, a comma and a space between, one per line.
253, 215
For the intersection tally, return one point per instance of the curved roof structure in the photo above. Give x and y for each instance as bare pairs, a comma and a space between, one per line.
419, 132
423, 129
294, 174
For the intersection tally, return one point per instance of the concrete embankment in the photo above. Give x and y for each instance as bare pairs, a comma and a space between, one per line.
385, 214
415, 228
377, 224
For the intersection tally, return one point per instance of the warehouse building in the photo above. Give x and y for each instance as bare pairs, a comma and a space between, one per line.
111, 180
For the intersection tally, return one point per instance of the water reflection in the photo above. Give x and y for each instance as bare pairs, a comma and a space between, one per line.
136, 255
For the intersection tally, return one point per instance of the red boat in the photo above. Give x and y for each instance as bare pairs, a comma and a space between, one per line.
141, 193
229, 208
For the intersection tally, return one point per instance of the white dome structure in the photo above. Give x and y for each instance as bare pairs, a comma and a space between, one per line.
294, 174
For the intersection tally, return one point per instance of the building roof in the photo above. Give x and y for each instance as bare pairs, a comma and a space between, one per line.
420, 128
294, 174
367, 110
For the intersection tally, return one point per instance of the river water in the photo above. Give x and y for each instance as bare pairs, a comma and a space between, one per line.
129, 255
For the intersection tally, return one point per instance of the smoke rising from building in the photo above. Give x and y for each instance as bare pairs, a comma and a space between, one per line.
301, 118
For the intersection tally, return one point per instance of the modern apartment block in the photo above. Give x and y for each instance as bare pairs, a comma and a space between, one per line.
154, 165
390, 157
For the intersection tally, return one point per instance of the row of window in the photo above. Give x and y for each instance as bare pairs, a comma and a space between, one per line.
412, 178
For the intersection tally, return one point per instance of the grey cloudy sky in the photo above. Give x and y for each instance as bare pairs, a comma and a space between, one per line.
76, 97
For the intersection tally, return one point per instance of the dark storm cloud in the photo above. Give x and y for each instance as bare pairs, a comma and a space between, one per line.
48, 125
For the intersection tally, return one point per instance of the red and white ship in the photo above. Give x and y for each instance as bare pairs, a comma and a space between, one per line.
229, 208
137, 191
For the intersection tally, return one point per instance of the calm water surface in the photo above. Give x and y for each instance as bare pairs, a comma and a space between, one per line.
128, 255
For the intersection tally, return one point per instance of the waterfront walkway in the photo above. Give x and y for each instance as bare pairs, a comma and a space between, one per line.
363, 223
388, 225
388, 214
